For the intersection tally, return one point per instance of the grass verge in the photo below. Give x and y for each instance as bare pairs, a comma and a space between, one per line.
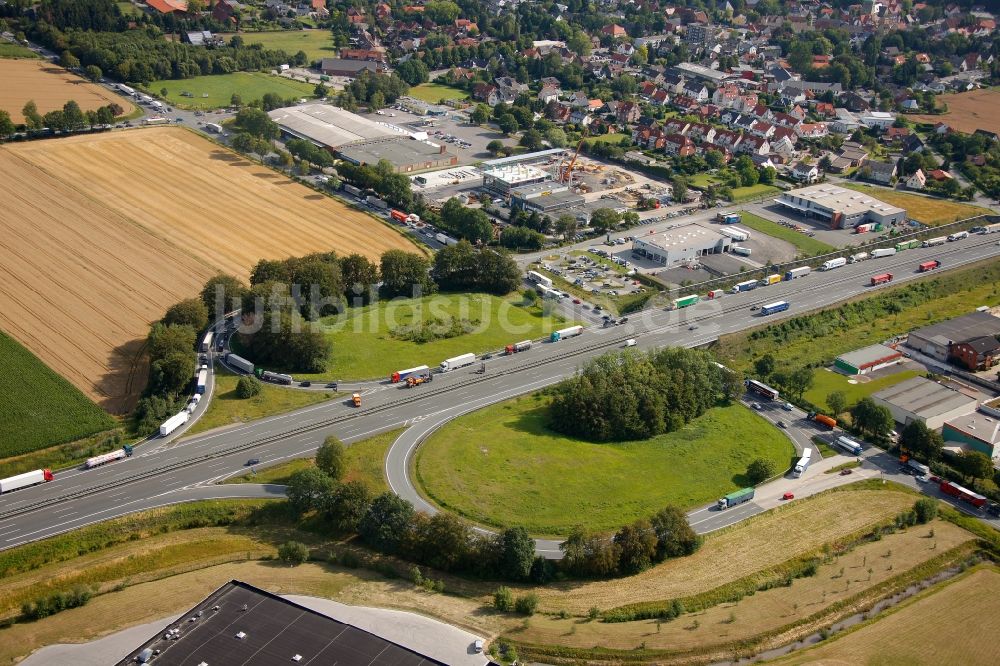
501, 466
216, 91
931, 211
805, 244
11, 50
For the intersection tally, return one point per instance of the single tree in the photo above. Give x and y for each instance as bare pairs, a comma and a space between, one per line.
385, 523
515, 552
191, 311
247, 387
293, 552
764, 366
7, 126
309, 489
494, 147
503, 599
330, 458
480, 114
837, 402
926, 509
760, 470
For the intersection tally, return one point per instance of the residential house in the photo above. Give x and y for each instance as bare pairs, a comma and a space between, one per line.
917, 181
880, 172
754, 145
549, 93
579, 100
811, 130
660, 98
677, 144
581, 117
318, 9
614, 30
701, 132
225, 11
486, 92
696, 91
939, 175
168, 6
203, 38
628, 112
763, 129
911, 144
804, 173
783, 148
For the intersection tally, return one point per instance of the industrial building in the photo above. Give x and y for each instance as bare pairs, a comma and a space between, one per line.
242, 624
546, 197
681, 243
922, 399
869, 359
937, 340
840, 208
501, 179
406, 155
976, 431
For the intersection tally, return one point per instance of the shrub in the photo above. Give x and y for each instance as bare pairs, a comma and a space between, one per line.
527, 604
503, 599
247, 387
925, 509
293, 552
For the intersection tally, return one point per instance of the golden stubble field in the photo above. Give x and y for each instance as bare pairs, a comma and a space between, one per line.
50, 86
99, 234
968, 111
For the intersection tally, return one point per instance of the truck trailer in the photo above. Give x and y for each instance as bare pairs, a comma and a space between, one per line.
964, 494
803, 464
745, 286
881, 278
456, 362
276, 377
686, 301
883, 252
105, 458
801, 271
538, 278
934, 242
24, 480
907, 245
173, 423
833, 263
733, 499
771, 308
828, 421
398, 215
929, 266
239, 363
958, 235
401, 375
737, 234
564, 333
740, 250
523, 345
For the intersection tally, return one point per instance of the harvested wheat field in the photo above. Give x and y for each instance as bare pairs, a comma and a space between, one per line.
968, 111
99, 234
50, 86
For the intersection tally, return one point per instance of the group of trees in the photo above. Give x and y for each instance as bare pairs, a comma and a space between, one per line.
373, 91
472, 224
392, 187
461, 267
792, 381
69, 118
634, 548
628, 395
256, 131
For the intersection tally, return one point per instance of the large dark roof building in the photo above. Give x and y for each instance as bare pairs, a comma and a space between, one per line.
241, 624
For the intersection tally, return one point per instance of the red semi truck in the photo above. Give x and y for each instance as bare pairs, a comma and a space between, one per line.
881, 279
398, 215
929, 266
964, 494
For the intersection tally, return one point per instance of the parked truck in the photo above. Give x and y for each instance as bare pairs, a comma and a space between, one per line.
105, 458
864, 228
929, 266
740, 250
401, 375
881, 278
828, 421
801, 271
25, 480
883, 252
564, 333
456, 362
523, 345
964, 494
833, 263
733, 499
728, 218
738, 235
173, 423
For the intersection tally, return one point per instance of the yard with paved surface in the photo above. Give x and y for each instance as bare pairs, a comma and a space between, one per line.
216, 91
931, 211
502, 466
805, 244
827, 381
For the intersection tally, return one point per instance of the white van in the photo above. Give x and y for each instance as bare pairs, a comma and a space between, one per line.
630, 342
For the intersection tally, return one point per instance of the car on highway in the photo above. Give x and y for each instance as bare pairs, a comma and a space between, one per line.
788, 496
782, 424
332, 385
253, 461
305, 384
754, 307
630, 342
845, 472
576, 301
787, 406
693, 327
756, 406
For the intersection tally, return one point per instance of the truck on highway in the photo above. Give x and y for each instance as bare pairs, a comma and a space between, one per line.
441, 238
239, 363
849, 445
744, 286
828, 421
564, 333
801, 271
356, 399
375, 202
770, 279
401, 375
417, 380
24, 480
125, 89
398, 215
523, 345
883, 252
740, 250
456, 362
538, 278
733, 499
202, 381
881, 278
907, 245
803, 464
990, 229
213, 128
173, 423
351, 189
686, 301
105, 458
833, 263
771, 308
276, 377
964, 494
934, 242
958, 235
919, 468
716, 293
929, 266
206, 342
855, 258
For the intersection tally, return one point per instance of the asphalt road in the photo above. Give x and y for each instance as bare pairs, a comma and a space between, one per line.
164, 473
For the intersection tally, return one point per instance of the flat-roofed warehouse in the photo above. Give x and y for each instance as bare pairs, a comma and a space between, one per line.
405, 155
867, 359
921, 399
241, 624
544, 197
839, 207
681, 244
501, 179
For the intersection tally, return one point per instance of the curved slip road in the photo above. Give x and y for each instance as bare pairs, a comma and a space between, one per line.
160, 468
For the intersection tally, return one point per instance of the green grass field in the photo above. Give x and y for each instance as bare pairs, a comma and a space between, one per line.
932, 211
501, 466
128, 9
220, 88
805, 244
11, 50
611, 137
364, 347
227, 409
435, 92
753, 192
316, 43
38, 408
703, 180
365, 463
826, 382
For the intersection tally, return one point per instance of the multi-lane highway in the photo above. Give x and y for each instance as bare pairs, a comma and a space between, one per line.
166, 473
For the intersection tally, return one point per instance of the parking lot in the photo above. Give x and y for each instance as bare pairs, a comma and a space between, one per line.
466, 141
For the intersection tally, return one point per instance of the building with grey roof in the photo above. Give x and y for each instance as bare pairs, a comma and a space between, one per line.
867, 359
682, 243
329, 126
840, 207
921, 399
405, 154
936, 340
544, 197
976, 431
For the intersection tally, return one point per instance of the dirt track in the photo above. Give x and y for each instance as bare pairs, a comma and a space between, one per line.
50, 86
99, 234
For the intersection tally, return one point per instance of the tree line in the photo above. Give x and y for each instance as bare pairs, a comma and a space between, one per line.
69, 118
389, 524
624, 396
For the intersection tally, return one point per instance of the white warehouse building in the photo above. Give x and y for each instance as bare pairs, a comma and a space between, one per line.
841, 208
682, 243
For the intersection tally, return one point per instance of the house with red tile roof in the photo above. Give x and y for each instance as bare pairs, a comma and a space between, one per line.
168, 6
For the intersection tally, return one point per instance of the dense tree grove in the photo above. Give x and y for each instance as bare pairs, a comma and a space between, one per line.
462, 267
382, 178
628, 395
472, 224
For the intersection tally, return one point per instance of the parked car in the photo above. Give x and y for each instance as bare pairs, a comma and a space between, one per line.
576, 301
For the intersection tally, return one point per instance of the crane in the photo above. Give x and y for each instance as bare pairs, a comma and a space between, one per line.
564, 174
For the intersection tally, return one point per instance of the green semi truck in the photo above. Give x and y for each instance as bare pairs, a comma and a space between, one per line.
738, 497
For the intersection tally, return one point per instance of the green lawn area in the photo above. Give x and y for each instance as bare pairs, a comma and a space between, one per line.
753, 192
128, 9
805, 244
38, 408
501, 466
11, 50
365, 463
227, 409
932, 211
703, 180
826, 382
435, 92
316, 43
611, 137
220, 88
